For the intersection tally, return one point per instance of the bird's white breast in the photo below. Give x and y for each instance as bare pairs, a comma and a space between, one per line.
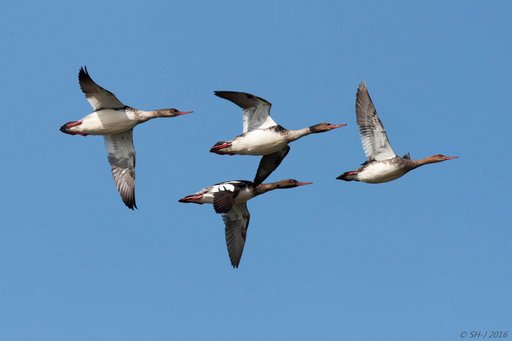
258, 142
107, 121
378, 172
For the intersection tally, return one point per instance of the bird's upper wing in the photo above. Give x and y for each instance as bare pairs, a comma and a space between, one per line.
98, 97
121, 156
256, 110
269, 163
373, 135
236, 222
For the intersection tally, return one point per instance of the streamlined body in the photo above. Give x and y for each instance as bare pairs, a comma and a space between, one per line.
261, 134
230, 199
382, 164
115, 122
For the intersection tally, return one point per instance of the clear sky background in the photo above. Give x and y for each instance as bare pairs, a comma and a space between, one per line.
426, 257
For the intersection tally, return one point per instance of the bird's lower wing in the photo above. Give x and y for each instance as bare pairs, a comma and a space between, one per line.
121, 156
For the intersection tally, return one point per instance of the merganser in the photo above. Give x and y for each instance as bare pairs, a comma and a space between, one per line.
261, 135
230, 198
115, 121
383, 164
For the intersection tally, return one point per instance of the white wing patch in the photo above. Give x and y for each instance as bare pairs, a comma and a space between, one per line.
222, 188
256, 110
258, 117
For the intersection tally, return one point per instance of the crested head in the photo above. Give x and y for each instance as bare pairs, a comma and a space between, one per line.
282, 184
322, 127
171, 112
290, 183
439, 158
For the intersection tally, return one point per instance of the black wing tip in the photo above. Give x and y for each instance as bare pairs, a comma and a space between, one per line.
130, 202
131, 205
83, 72
228, 95
84, 78
220, 93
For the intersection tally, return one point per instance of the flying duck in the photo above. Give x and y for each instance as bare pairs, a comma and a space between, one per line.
230, 199
115, 121
261, 135
383, 164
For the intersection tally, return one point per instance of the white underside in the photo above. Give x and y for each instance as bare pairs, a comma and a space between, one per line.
377, 172
258, 142
106, 122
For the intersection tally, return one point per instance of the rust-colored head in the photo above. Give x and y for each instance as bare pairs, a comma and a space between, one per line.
440, 158
171, 112
322, 127
282, 184
290, 183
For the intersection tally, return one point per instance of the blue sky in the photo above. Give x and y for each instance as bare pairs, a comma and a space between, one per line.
425, 257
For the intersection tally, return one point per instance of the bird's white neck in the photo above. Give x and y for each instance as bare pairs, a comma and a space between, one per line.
293, 135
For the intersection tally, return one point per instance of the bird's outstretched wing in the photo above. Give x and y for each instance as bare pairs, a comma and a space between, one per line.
269, 163
373, 135
256, 110
98, 97
236, 222
121, 156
